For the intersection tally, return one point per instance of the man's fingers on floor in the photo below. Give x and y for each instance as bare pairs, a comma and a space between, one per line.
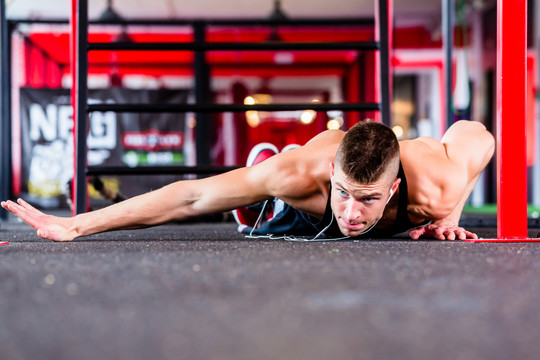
450, 235
42, 233
440, 234
416, 233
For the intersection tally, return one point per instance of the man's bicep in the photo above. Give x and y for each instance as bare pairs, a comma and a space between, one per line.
439, 160
230, 191
436, 182
470, 144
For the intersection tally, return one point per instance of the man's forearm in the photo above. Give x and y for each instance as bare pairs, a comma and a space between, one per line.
149, 209
455, 215
452, 218
178, 201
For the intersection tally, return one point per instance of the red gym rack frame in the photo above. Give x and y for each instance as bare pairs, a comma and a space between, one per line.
511, 112
511, 124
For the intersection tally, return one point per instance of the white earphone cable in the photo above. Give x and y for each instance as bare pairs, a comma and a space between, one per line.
301, 239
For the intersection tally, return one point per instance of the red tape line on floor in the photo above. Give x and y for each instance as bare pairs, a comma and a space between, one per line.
4, 243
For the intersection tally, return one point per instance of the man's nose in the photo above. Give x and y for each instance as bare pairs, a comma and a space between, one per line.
352, 211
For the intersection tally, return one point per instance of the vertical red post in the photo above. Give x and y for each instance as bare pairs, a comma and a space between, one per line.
377, 80
511, 115
74, 89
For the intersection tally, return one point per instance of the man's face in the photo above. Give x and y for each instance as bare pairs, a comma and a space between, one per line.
358, 206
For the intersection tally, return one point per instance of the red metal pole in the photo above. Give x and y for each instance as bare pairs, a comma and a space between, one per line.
74, 89
511, 115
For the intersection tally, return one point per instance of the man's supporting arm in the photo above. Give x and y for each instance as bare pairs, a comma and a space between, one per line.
448, 228
467, 148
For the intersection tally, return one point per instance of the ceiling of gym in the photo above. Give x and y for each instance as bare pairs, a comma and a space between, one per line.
170, 9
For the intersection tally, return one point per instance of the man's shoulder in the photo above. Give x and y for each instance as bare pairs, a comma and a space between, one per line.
420, 145
325, 138
301, 176
302, 170
423, 157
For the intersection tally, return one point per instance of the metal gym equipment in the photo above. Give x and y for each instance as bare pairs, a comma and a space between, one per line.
5, 118
80, 48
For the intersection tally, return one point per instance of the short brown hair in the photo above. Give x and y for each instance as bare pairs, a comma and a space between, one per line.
368, 151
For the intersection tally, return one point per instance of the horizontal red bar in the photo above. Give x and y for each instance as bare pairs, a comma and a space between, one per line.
505, 240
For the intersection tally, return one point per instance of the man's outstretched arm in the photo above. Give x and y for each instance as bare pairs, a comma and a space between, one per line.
178, 201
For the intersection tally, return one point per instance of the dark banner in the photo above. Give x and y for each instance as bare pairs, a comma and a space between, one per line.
114, 139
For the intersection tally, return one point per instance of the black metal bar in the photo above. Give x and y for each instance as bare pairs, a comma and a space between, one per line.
219, 108
5, 111
448, 43
158, 170
222, 65
202, 96
531, 24
234, 46
81, 99
361, 21
384, 53
254, 22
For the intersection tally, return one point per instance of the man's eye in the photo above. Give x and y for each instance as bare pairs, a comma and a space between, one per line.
342, 193
369, 200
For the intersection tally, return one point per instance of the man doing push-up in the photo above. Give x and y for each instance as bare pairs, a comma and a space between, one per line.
362, 182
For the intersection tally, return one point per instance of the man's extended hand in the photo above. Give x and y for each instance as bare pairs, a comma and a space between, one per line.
444, 230
47, 226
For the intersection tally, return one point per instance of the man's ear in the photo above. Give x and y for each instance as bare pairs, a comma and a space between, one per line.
331, 166
395, 185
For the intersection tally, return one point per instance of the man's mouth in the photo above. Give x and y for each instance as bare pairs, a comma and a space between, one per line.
352, 227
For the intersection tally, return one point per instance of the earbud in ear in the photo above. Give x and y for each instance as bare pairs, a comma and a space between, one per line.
391, 193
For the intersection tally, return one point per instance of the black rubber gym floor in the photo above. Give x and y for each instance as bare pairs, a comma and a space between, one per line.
202, 291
